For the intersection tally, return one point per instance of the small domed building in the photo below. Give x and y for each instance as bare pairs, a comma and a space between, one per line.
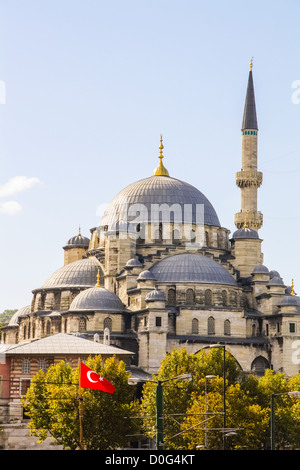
161, 272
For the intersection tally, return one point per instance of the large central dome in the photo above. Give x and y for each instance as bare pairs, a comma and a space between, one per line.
158, 190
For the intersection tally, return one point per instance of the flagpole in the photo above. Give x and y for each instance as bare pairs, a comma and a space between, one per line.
80, 398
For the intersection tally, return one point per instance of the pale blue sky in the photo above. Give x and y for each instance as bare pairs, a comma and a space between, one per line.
91, 85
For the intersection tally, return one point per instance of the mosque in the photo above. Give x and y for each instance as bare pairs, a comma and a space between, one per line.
161, 273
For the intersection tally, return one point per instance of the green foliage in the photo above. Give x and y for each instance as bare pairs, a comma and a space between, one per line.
52, 403
247, 404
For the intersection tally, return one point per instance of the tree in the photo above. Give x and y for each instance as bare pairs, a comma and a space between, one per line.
53, 407
178, 395
203, 425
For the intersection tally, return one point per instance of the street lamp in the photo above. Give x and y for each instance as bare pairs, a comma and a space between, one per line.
207, 377
272, 415
159, 408
219, 346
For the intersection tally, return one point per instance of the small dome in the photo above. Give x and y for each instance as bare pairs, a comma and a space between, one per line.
274, 274
133, 263
155, 296
288, 300
276, 281
245, 232
78, 240
81, 273
191, 267
22, 312
97, 298
260, 269
146, 276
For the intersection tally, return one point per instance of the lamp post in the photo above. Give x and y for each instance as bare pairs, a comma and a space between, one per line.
272, 414
159, 408
207, 377
219, 346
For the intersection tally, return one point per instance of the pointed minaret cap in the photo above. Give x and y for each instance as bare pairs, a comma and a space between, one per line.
160, 170
249, 117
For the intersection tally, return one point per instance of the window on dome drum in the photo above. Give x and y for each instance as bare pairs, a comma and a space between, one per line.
224, 298
190, 297
24, 332
195, 326
210, 326
48, 328
107, 323
208, 297
175, 236
227, 328
157, 321
26, 366
172, 297
82, 325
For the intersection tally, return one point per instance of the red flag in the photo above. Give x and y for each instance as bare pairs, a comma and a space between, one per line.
90, 379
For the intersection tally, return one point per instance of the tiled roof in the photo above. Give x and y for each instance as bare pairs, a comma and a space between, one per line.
66, 344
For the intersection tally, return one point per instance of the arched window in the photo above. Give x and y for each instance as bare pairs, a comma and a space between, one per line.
195, 326
210, 326
42, 365
224, 298
24, 332
171, 296
48, 328
82, 324
259, 366
190, 297
208, 297
107, 323
26, 366
227, 328
65, 325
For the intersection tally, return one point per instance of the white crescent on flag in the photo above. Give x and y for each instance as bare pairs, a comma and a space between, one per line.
89, 376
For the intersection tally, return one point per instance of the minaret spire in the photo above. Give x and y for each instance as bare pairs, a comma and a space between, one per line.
249, 179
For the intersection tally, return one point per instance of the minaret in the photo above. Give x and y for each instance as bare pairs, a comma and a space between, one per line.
249, 179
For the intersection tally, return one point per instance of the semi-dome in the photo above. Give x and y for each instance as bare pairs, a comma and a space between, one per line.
22, 312
158, 190
191, 267
97, 298
81, 273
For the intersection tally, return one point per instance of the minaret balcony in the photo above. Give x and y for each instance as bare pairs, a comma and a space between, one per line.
246, 178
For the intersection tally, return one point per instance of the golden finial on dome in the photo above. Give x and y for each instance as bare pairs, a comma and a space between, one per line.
160, 170
79, 232
245, 223
98, 279
251, 63
293, 292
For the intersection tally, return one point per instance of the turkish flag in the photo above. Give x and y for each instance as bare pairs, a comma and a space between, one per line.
90, 379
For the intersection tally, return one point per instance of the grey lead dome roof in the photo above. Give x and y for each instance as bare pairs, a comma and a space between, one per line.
81, 273
97, 298
22, 312
158, 190
245, 232
78, 240
190, 267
